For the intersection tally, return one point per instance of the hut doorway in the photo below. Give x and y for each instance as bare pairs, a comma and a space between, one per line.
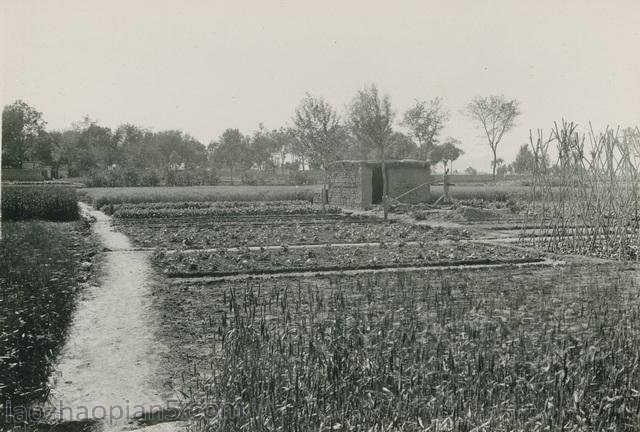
376, 185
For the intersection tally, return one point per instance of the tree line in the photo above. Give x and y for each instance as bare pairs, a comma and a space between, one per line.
317, 135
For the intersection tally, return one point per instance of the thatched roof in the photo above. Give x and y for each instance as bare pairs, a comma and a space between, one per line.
409, 163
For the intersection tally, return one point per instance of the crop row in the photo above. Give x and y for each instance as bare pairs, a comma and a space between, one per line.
227, 209
285, 259
200, 236
207, 204
546, 349
55, 203
40, 272
104, 196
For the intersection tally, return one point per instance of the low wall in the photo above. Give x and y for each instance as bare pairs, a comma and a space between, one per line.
19, 174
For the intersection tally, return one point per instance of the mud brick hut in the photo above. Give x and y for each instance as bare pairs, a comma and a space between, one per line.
358, 184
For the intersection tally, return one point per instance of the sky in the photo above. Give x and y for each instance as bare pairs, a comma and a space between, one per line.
204, 66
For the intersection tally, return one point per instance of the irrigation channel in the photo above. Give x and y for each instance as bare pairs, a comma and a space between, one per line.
108, 372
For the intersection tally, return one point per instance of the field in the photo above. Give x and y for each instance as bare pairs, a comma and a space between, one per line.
491, 193
492, 349
328, 321
41, 271
55, 203
304, 318
103, 196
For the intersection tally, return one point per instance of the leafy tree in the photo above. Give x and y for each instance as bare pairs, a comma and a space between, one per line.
402, 147
496, 116
87, 146
160, 145
371, 121
130, 141
497, 166
21, 126
318, 129
446, 153
286, 142
425, 120
471, 171
232, 150
263, 144
503, 170
524, 162
45, 148
97, 141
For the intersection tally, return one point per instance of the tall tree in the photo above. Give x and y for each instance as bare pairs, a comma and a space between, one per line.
524, 162
318, 131
425, 121
264, 144
402, 147
447, 152
232, 150
497, 165
371, 121
496, 116
130, 140
470, 171
317, 126
45, 147
21, 126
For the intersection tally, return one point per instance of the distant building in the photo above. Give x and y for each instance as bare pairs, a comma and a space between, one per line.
358, 184
177, 166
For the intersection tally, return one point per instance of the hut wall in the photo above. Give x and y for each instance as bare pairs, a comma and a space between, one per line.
345, 186
403, 178
351, 182
366, 186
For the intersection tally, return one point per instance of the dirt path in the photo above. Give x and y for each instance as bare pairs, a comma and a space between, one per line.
110, 363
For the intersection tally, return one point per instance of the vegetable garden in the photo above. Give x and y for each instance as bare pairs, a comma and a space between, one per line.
329, 321
316, 319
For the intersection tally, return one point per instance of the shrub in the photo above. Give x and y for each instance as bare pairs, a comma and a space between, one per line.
253, 178
298, 178
115, 177
149, 178
55, 203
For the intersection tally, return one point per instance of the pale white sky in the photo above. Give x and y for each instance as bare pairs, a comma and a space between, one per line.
203, 66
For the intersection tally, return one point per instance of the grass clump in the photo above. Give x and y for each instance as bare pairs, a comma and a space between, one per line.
53, 203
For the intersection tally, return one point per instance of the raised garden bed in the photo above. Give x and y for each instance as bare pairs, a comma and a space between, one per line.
293, 232
216, 209
249, 261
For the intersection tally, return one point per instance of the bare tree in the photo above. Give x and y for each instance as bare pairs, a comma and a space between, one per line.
425, 120
371, 120
496, 116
